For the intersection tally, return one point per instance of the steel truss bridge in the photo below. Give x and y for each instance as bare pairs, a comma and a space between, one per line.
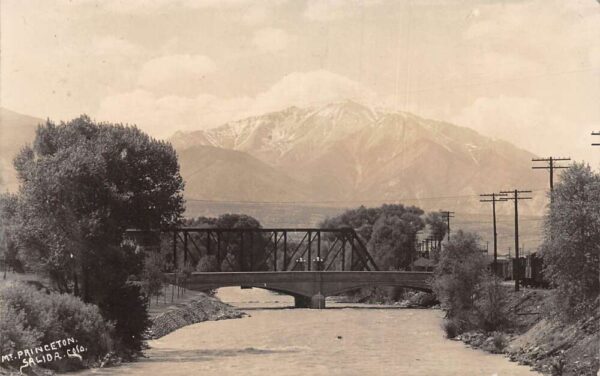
307, 263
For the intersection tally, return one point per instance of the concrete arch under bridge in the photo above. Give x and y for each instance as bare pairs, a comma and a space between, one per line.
309, 288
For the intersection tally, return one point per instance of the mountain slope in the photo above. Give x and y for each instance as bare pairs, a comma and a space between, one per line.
349, 152
220, 174
16, 130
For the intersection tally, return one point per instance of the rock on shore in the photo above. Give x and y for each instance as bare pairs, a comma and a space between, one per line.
202, 308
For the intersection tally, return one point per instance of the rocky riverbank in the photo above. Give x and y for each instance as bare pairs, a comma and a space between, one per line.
534, 338
201, 308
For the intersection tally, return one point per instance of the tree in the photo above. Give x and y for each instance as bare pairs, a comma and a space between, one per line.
82, 184
393, 240
571, 247
254, 244
457, 277
8, 246
390, 232
437, 229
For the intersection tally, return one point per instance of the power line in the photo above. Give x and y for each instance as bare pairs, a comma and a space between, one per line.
495, 197
515, 196
550, 167
447, 215
596, 134
353, 201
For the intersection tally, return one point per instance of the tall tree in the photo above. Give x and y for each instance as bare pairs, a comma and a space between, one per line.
389, 230
8, 246
571, 248
254, 245
82, 184
437, 229
457, 276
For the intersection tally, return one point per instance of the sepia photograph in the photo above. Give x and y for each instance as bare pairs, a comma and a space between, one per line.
300, 187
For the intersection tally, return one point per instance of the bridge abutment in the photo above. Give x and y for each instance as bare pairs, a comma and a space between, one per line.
314, 302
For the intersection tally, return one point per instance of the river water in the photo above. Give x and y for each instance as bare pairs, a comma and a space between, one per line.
342, 340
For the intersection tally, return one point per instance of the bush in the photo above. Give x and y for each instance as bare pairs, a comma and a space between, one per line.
491, 303
13, 331
456, 279
152, 277
32, 318
450, 328
423, 299
500, 342
127, 308
208, 263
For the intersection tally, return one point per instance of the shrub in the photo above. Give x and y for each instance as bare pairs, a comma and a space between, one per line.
152, 277
208, 263
423, 299
71, 317
450, 328
457, 276
491, 303
500, 342
31, 318
13, 331
127, 309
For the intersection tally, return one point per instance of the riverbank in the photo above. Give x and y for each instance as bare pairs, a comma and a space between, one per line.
192, 308
187, 308
534, 338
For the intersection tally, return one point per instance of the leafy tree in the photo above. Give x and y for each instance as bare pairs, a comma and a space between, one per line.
457, 276
393, 240
254, 245
437, 229
571, 247
389, 231
208, 263
82, 185
8, 245
152, 276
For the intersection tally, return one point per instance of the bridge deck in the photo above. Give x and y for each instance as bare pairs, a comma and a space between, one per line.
307, 284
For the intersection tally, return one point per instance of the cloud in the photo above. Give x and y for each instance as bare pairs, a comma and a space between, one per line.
162, 115
309, 88
507, 28
270, 40
175, 73
524, 121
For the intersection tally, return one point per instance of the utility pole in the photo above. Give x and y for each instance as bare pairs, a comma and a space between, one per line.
515, 196
495, 197
596, 134
448, 215
551, 166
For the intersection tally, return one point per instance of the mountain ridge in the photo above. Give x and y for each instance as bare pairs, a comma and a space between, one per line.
347, 151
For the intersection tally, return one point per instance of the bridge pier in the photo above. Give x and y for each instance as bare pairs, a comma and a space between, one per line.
314, 302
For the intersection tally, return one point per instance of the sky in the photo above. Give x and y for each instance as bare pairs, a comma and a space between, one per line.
524, 71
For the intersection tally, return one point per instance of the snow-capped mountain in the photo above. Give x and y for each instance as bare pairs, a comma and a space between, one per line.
349, 153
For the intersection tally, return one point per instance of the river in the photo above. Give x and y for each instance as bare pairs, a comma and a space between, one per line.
342, 340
